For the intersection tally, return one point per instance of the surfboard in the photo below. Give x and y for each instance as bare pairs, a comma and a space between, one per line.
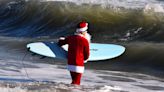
97, 51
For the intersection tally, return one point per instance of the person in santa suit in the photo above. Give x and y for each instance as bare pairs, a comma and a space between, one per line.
78, 51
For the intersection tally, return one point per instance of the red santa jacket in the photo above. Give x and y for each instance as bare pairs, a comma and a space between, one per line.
78, 51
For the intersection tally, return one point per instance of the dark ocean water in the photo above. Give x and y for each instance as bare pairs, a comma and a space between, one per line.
139, 26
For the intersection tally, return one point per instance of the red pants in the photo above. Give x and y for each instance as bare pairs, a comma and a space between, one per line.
76, 78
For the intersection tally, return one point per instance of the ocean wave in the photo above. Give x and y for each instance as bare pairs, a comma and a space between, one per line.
54, 19
129, 4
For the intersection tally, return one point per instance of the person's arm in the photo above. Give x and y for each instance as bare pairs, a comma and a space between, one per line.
86, 51
62, 41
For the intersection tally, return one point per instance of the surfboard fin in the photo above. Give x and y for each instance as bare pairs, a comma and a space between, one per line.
33, 54
28, 49
43, 57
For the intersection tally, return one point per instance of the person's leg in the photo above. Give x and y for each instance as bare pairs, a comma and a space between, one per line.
76, 78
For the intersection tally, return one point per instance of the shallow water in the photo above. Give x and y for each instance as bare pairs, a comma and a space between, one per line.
135, 24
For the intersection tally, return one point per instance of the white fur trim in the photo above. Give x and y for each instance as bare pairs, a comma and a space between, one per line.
82, 29
85, 61
62, 38
73, 68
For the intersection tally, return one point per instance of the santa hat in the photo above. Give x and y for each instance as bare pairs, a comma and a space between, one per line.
82, 27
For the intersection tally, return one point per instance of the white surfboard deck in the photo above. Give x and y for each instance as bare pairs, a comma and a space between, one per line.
97, 51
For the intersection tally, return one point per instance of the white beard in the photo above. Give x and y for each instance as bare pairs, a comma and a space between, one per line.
88, 37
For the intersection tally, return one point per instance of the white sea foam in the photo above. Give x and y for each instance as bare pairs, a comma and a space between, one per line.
115, 3
154, 8
108, 89
92, 80
17, 89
